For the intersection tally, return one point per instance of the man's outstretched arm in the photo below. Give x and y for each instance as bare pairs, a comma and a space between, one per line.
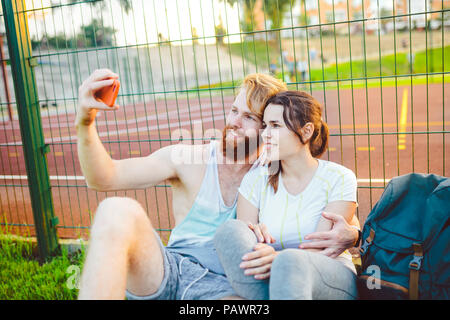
103, 173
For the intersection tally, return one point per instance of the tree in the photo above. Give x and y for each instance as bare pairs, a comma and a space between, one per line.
275, 11
220, 31
303, 19
91, 35
247, 21
96, 34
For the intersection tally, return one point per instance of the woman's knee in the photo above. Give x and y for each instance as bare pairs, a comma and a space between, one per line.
118, 217
232, 240
291, 276
289, 261
298, 274
232, 232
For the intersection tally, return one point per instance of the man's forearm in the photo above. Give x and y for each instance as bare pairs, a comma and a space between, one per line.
96, 163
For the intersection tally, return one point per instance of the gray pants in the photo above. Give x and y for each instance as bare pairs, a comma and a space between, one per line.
295, 275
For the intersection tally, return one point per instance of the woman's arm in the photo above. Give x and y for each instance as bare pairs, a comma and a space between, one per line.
258, 262
248, 213
333, 233
346, 209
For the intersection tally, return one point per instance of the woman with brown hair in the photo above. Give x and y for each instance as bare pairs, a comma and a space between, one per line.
283, 201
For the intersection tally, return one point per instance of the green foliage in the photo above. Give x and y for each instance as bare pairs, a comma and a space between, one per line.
90, 35
246, 11
125, 4
275, 11
220, 31
95, 34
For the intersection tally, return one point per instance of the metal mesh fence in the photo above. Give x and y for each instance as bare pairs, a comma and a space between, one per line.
380, 69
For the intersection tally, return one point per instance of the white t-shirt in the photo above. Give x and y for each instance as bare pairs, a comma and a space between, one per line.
289, 218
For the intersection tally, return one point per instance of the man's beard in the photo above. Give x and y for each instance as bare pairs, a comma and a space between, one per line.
239, 151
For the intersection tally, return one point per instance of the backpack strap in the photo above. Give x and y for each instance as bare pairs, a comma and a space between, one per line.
367, 242
414, 267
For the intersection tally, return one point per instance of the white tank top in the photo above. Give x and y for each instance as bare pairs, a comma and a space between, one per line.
193, 236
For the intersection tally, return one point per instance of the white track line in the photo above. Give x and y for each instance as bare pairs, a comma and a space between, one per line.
171, 116
124, 131
23, 177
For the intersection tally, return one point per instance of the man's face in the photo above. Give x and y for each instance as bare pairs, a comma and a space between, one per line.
242, 131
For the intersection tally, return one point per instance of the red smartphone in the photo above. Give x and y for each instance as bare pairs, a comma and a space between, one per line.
109, 94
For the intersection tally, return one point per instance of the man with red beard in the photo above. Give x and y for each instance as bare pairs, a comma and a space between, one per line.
125, 255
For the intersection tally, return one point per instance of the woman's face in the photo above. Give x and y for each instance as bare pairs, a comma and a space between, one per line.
279, 141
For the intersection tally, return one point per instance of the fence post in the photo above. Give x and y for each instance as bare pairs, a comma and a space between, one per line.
34, 147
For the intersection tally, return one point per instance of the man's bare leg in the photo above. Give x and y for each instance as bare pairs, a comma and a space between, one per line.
123, 253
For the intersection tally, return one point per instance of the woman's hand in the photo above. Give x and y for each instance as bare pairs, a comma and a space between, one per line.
259, 262
261, 232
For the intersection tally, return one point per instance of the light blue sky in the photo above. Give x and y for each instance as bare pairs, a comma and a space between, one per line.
140, 25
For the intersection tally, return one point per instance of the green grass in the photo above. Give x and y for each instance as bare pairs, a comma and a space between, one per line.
22, 277
395, 69
388, 65
429, 61
372, 83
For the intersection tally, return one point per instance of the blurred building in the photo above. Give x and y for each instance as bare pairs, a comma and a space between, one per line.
373, 13
329, 11
414, 10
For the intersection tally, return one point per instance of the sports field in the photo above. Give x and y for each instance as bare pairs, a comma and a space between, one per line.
379, 133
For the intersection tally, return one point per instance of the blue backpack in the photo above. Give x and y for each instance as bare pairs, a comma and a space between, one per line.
406, 249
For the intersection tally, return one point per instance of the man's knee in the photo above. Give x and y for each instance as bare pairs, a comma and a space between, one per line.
119, 217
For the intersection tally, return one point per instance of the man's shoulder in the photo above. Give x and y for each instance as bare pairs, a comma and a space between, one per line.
181, 146
190, 162
182, 154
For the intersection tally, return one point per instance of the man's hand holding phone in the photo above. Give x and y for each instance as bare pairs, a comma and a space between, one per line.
98, 92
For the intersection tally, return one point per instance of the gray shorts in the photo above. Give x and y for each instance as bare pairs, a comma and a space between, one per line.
186, 279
